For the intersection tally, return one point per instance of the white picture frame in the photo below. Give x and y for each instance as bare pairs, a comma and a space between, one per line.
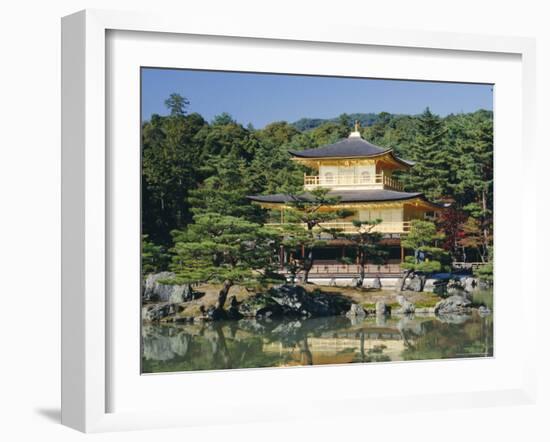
86, 204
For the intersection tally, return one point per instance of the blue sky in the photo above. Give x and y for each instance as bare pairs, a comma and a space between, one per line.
263, 98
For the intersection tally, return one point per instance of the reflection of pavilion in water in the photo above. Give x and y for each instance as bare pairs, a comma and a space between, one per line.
380, 343
295, 342
290, 342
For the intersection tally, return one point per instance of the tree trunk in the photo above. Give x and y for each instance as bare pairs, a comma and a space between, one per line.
222, 295
308, 264
306, 358
361, 279
481, 254
423, 279
362, 263
219, 348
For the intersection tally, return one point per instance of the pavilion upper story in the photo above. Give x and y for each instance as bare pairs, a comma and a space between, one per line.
360, 176
351, 164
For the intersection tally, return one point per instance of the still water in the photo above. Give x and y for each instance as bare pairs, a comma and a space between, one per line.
251, 343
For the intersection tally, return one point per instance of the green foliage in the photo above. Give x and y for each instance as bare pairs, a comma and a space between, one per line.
421, 235
225, 190
485, 272
216, 248
176, 104
154, 258
192, 167
306, 210
364, 119
169, 170
429, 150
366, 244
424, 267
473, 237
423, 239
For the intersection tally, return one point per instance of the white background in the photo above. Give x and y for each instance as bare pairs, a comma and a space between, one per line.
29, 220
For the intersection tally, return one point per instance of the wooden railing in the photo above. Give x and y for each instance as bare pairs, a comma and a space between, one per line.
378, 180
319, 269
348, 227
392, 183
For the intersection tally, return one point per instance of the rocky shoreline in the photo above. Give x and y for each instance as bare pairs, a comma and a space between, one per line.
165, 302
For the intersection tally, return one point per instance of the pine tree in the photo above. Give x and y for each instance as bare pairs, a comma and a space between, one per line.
170, 169
474, 174
154, 258
224, 249
307, 209
365, 241
430, 174
176, 104
225, 190
427, 257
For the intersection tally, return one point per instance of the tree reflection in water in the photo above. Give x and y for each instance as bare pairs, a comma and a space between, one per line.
251, 343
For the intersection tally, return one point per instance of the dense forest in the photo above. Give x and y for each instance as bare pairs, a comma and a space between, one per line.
192, 167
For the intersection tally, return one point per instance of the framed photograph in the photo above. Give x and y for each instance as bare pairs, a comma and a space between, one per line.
256, 209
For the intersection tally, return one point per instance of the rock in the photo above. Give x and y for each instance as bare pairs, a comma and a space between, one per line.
156, 312
457, 288
440, 287
407, 307
356, 311
215, 314
376, 284
294, 301
151, 289
160, 292
233, 312
163, 344
454, 304
469, 283
415, 285
382, 309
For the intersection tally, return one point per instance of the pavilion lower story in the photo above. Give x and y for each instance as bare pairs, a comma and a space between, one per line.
339, 259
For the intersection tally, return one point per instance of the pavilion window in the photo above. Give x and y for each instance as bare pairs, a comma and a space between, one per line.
365, 177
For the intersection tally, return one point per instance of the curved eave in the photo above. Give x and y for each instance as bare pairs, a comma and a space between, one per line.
280, 200
405, 164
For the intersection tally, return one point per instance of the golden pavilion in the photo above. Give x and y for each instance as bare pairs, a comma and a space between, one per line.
361, 175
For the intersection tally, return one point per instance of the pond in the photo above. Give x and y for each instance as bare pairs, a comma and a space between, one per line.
252, 343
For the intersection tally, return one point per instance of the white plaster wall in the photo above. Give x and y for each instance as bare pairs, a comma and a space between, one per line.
386, 215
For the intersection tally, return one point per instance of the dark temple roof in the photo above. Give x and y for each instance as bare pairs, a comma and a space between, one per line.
346, 196
351, 147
